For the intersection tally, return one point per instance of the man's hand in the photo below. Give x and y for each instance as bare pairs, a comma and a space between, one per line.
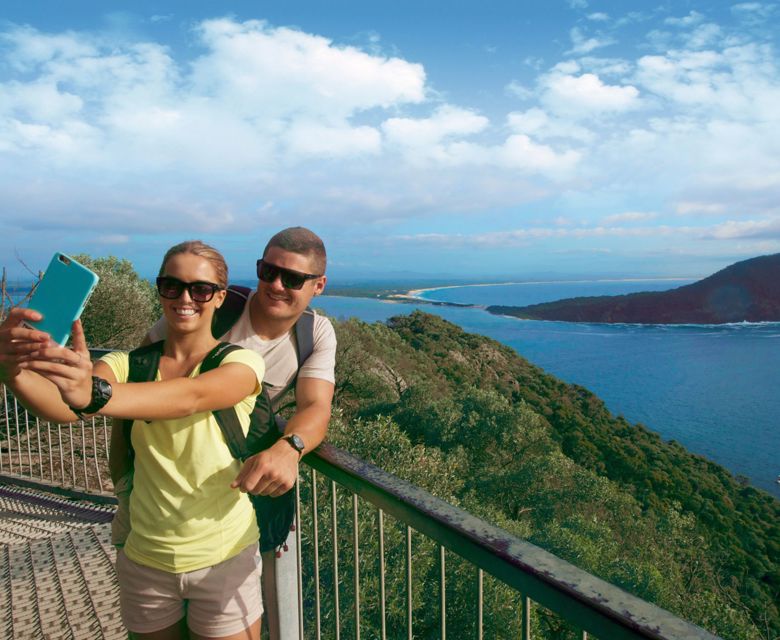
272, 472
17, 342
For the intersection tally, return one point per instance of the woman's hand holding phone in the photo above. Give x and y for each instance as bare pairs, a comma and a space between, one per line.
69, 369
18, 341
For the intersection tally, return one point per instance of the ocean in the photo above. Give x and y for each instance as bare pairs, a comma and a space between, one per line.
712, 388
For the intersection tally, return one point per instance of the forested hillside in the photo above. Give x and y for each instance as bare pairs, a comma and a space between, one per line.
473, 422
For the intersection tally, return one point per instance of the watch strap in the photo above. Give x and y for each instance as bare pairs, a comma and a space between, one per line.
295, 442
101, 394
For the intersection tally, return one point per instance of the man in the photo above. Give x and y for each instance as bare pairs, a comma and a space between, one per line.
291, 273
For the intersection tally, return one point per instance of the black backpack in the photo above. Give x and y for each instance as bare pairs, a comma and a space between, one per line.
275, 516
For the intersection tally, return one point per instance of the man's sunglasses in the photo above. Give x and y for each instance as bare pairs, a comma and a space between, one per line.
268, 272
172, 288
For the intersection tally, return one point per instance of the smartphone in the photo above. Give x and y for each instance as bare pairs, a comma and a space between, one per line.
61, 296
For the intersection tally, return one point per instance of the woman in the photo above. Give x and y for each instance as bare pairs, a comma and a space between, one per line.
190, 566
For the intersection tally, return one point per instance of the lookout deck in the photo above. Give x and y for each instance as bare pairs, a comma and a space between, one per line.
56, 568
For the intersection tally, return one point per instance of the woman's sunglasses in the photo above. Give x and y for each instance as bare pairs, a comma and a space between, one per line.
268, 272
172, 288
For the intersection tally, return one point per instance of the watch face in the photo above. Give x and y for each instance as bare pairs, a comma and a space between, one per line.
295, 441
103, 388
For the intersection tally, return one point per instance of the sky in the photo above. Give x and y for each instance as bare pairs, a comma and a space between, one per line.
459, 139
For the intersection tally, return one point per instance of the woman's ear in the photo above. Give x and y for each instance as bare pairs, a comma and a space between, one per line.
219, 297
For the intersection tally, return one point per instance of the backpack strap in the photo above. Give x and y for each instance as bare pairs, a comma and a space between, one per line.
304, 336
304, 342
227, 418
230, 311
143, 365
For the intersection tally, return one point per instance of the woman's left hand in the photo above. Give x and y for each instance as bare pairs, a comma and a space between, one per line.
69, 369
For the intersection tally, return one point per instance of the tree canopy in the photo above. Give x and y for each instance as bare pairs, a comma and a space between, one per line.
478, 425
122, 307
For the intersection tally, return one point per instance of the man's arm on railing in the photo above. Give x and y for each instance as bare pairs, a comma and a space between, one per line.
274, 471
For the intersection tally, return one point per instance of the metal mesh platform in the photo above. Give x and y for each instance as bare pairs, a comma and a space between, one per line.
57, 575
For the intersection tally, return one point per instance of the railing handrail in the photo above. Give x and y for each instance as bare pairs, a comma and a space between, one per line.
601, 608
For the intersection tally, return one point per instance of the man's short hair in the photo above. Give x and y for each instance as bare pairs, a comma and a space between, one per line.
303, 241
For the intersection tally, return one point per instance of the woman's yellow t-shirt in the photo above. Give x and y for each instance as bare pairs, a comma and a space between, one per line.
184, 514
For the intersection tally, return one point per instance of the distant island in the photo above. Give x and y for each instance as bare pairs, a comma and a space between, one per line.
747, 291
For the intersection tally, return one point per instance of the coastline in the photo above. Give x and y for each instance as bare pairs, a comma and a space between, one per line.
416, 294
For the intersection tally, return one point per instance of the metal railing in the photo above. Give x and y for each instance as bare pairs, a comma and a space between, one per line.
379, 557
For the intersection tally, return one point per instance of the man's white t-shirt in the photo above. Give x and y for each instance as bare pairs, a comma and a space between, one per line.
279, 354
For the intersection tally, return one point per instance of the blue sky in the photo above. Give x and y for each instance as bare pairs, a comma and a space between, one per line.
499, 140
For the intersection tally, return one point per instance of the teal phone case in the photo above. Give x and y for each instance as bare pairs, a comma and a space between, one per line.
61, 296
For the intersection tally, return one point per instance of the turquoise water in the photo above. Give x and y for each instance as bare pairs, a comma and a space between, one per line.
713, 388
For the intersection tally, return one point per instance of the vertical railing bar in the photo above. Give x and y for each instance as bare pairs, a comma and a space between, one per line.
409, 603
62, 453
51, 450
84, 451
29, 448
299, 556
526, 630
105, 440
443, 593
382, 610
18, 448
72, 455
334, 524
356, 554
316, 540
95, 454
40, 450
480, 600
7, 423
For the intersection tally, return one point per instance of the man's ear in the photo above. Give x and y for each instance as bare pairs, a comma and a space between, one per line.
319, 285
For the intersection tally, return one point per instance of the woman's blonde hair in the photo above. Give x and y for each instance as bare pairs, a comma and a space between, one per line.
198, 248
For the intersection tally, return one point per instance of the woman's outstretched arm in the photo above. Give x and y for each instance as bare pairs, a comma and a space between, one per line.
68, 370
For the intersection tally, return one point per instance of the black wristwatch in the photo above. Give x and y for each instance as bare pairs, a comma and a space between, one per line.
296, 443
101, 394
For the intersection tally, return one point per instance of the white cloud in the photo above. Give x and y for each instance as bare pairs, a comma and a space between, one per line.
754, 12
313, 139
606, 66
732, 230
739, 82
518, 90
598, 16
587, 93
694, 17
583, 44
424, 132
520, 152
766, 230
704, 36
539, 124
430, 140
278, 72
629, 216
700, 208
